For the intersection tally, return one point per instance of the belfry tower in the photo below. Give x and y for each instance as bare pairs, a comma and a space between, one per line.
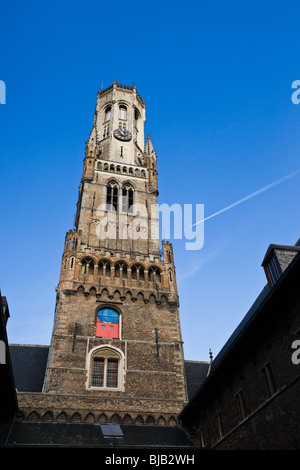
116, 352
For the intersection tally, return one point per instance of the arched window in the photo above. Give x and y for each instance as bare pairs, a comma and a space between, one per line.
121, 270
127, 199
105, 131
133, 272
117, 270
107, 270
154, 275
122, 112
87, 266
137, 272
91, 268
104, 268
106, 369
112, 196
124, 271
107, 114
107, 325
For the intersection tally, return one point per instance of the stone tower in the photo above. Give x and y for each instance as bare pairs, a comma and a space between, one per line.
116, 351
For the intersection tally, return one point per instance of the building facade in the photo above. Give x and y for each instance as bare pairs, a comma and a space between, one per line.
116, 351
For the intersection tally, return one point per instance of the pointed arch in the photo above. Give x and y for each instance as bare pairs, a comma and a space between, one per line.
172, 421
48, 416
152, 298
150, 420
105, 368
161, 421
127, 419
90, 418
139, 420
115, 419
76, 418
34, 416
117, 295
103, 418
62, 417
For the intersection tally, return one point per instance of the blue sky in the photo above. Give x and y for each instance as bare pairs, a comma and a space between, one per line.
216, 78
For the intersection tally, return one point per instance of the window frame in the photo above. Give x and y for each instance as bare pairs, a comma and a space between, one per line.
107, 114
118, 329
107, 353
123, 112
267, 373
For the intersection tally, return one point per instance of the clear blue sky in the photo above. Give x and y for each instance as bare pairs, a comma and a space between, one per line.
216, 78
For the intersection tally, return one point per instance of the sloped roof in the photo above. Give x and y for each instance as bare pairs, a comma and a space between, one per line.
29, 366
196, 372
91, 435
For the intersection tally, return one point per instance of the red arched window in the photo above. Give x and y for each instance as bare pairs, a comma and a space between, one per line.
107, 325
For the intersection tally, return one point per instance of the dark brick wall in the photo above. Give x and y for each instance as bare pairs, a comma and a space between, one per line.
271, 422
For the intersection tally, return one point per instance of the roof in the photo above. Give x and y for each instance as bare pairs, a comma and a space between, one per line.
29, 366
196, 372
93, 435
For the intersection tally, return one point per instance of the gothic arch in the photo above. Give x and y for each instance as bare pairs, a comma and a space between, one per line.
105, 352
127, 419
111, 180
150, 420
106, 105
90, 418
118, 265
62, 417
139, 420
48, 416
104, 293
140, 297
161, 421
123, 102
129, 295
152, 298
129, 183
33, 416
154, 274
115, 418
117, 295
103, 418
137, 271
76, 418
172, 421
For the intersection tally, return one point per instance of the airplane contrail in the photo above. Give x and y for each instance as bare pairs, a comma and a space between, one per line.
249, 196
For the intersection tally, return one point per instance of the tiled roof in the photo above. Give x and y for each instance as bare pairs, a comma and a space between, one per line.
29, 366
91, 435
